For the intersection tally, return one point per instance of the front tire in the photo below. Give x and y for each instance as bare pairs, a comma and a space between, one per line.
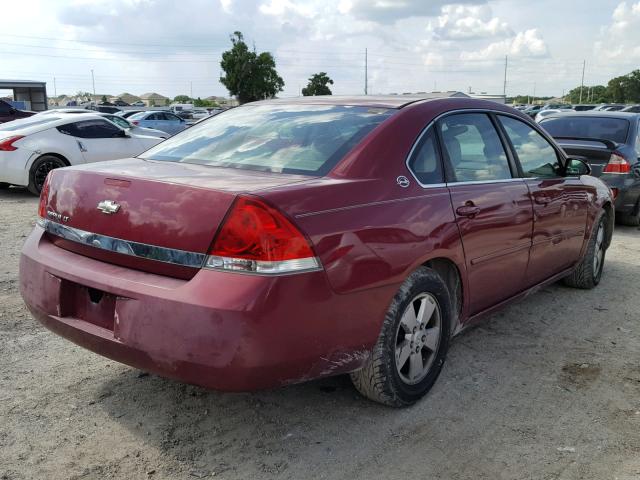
589, 271
39, 171
412, 346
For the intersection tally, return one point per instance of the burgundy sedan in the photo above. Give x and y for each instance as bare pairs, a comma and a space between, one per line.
288, 240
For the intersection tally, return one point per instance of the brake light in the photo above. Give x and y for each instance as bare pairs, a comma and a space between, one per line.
44, 198
617, 164
6, 144
135, 122
258, 238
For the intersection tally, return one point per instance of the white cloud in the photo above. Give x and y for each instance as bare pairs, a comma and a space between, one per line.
389, 11
459, 22
525, 44
620, 40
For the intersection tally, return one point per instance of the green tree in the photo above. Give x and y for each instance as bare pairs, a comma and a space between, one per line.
198, 102
248, 75
104, 99
318, 85
182, 99
167, 102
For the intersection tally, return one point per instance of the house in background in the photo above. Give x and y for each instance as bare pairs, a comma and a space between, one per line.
154, 99
125, 97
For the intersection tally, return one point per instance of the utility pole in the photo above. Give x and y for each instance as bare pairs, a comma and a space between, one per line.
191, 90
504, 86
534, 93
366, 75
93, 81
584, 63
55, 90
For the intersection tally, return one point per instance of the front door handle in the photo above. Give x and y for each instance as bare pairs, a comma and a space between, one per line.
81, 146
468, 210
542, 200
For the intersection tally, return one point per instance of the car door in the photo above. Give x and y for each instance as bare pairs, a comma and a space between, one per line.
100, 140
493, 209
560, 204
173, 122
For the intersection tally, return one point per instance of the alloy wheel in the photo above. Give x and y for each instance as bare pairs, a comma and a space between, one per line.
417, 338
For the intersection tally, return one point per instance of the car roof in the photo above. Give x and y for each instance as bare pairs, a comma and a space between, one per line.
374, 101
46, 122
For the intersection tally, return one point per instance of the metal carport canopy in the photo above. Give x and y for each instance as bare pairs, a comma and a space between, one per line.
29, 91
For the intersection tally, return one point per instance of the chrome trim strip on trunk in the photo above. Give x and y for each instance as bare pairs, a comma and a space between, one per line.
125, 247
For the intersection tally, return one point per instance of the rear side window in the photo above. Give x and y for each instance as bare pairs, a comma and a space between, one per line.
592, 126
537, 156
90, 129
474, 150
305, 139
425, 161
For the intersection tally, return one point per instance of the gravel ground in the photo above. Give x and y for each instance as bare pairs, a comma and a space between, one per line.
547, 389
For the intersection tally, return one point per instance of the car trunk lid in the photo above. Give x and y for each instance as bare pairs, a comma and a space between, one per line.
596, 152
154, 216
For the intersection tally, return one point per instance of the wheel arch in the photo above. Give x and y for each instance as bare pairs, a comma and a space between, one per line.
52, 154
452, 276
610, 211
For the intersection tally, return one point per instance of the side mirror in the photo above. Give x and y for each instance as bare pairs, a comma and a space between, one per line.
577, 167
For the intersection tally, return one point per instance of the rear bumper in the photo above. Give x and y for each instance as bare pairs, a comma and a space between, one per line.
226, 331
628, 187
12, 167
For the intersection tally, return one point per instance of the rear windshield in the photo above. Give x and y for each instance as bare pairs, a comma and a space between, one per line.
614, 129
302, 139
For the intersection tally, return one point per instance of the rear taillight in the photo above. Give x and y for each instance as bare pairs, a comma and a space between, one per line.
258, 238
136, 122
6, 144
44, 198
617, 164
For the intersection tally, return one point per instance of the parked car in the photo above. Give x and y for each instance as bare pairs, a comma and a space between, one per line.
545, 113
128, 113
120, 103
9, 113
103, 108
159, 120
610, 143
137, 129
199, 113
58, 111
583, 108
291, 239
631, 109
533, 110
609, 107
138, 103
31, 148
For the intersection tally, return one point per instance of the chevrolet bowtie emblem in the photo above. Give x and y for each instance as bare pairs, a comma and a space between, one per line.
108, 207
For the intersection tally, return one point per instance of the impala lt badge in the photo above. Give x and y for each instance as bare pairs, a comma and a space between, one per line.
57, 216
108, 207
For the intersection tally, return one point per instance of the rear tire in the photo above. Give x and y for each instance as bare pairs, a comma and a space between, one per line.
413, 343
589, 271
39, 171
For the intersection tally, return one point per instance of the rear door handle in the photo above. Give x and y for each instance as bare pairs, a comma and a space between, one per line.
468, 210
542, 200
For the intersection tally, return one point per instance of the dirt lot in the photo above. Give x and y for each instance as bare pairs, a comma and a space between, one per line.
547, 389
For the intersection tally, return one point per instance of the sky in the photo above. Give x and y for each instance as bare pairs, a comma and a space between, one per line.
174, 47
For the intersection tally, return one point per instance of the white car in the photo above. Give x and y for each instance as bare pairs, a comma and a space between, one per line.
199, 113
112, 117
550, 111
30, 148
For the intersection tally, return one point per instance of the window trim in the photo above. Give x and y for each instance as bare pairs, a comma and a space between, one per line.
489, 112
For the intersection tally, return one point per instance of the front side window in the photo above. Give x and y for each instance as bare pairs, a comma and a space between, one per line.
121, 122
474, 149
537, 157
304, 139
425, 162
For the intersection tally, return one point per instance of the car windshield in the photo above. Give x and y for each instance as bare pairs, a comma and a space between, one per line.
27, 122
305, 139
614, 129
